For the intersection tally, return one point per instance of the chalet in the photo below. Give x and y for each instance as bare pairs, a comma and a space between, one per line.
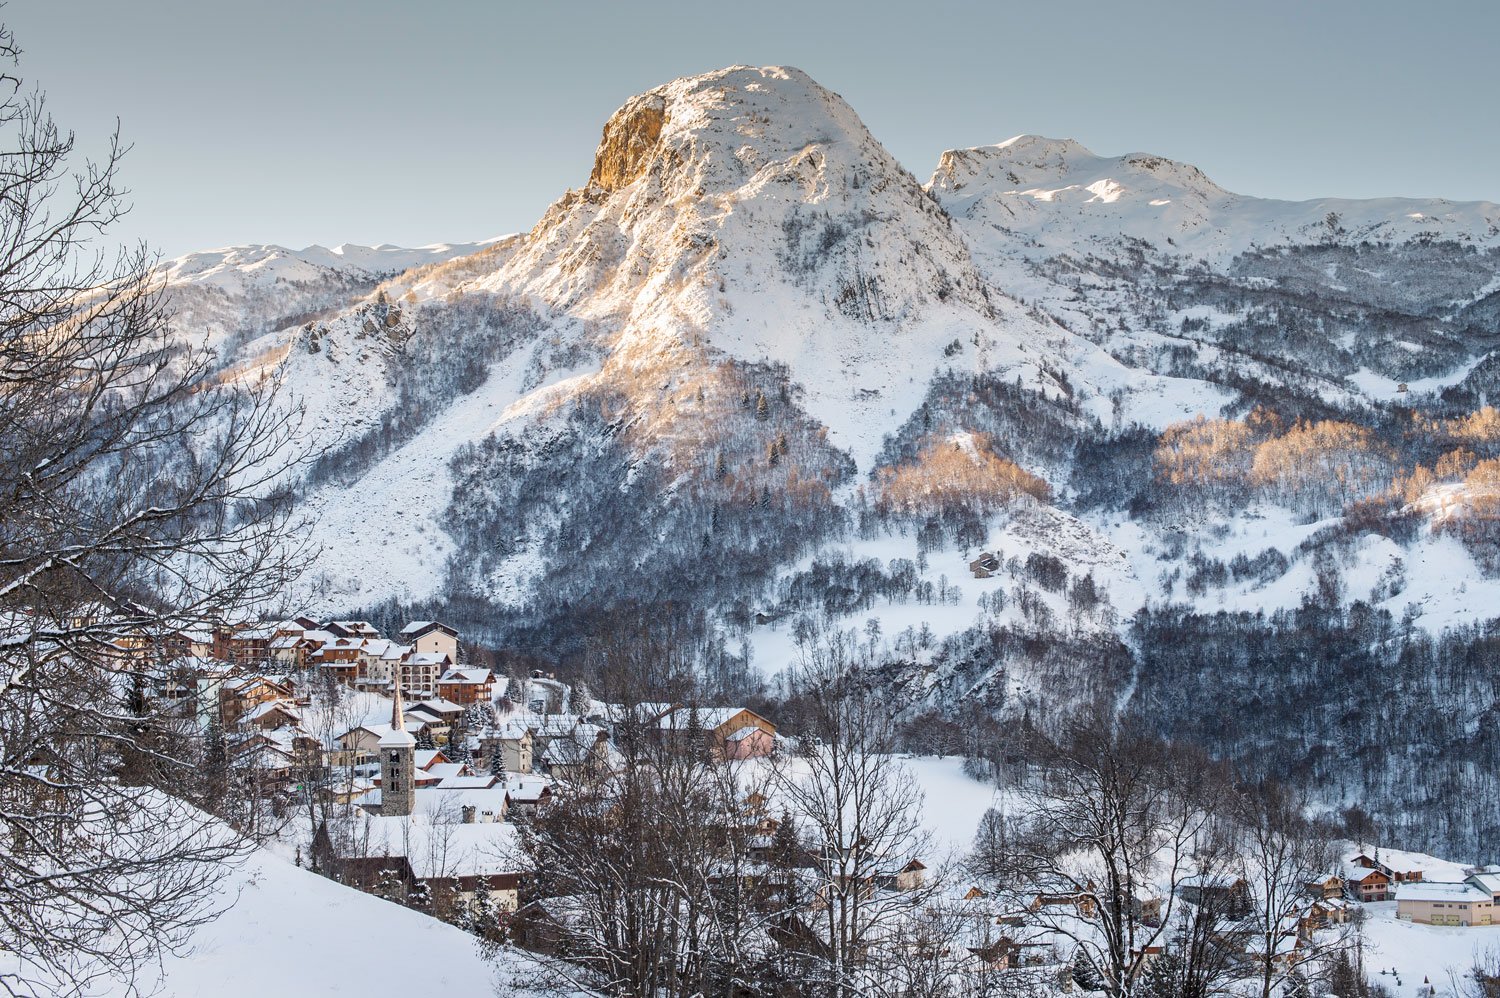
1327, 886
731, 732
1363, 883
462, 859
272, 755
261, 756
906, 878
185, 644
354, 630
431, 638
1004, 953
380, 663
466, 686
512, 742
1081, 902
1406, 867
984, 566
239, 696
438, 714
272, 714
1322, 913
1222, 893
419, 671
527, 796
585, 751
291, 651
244, 647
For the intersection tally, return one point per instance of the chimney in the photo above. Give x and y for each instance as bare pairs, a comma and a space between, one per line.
468, 814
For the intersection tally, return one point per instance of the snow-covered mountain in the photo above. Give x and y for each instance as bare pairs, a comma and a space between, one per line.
1054, 195
746, 217
237, 290
753, 370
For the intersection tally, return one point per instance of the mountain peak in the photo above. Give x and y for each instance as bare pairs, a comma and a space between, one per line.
1027, 162
717, 129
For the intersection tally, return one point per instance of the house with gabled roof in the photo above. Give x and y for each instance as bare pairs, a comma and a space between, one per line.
431, 637
466, 686
352, 629
732, 732
1363, 883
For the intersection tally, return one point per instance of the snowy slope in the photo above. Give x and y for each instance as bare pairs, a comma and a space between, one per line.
217, 294
237, 269
1054, 194
749, 211
287, 931
747, 215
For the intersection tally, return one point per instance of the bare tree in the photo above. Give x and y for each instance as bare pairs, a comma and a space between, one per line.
861, 816
1283, 854
1112, 828
645, 865
139, 498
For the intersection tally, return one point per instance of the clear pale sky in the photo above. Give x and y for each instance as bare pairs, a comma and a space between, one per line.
419, 121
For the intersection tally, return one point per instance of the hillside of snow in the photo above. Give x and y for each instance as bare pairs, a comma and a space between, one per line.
287, 931
221, 296
1055, 195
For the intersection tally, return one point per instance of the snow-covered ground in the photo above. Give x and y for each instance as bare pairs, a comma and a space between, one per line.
954, 802
1422, 956
286, 931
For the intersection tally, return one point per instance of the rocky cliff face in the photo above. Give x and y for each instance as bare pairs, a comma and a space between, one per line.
631, 138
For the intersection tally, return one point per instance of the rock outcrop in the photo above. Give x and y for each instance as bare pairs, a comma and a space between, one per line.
631, 137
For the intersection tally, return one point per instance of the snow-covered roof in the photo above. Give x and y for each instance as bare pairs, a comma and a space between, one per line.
444, 847
262, 709
1436, 890
456, 782
1431, 867
525, 789
392, 738
511, 729
362, 627
419, 627
709, 718
1354, 873
469, 676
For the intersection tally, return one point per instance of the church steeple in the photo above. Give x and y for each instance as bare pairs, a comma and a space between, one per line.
397, 763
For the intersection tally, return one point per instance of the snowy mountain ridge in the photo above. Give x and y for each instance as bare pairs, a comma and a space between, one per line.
1062, 195
747, 216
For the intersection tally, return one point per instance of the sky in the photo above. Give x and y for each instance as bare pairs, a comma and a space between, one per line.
421, 121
